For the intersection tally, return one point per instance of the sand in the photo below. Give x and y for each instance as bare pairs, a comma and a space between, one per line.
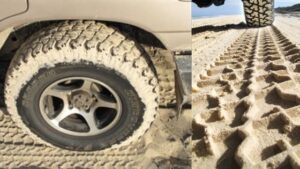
166, 144
246, 98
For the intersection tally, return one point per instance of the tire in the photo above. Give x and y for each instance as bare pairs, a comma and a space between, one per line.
162, 59
259, 13
86, 50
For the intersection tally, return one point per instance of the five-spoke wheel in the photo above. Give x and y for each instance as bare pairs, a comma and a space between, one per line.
80, 106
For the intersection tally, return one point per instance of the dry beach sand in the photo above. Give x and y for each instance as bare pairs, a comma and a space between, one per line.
246, 99
165, 145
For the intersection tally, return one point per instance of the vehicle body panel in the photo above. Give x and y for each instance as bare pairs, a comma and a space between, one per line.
168, 20
9, 8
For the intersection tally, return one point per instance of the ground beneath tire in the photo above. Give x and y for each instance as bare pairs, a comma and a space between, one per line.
246, 98
165, 145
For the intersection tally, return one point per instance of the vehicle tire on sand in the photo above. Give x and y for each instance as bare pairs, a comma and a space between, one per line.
81, 86
259, 12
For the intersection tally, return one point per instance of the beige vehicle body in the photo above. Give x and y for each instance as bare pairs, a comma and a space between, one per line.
167, 20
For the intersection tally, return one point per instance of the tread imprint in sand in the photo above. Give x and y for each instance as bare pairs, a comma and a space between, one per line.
248, 111
19, 150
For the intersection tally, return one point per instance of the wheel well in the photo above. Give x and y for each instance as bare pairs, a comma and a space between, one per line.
19, 36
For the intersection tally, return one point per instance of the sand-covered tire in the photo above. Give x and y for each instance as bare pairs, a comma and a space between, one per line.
81, 49
259, 12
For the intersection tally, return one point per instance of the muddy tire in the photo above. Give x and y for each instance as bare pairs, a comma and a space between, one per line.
259, 12
86, 51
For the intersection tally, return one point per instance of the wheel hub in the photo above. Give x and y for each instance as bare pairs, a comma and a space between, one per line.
81, 106
82, 100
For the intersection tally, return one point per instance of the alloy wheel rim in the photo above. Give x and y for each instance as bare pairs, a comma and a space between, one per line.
80, 106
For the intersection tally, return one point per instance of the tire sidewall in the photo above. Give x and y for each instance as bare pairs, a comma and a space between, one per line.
132, 106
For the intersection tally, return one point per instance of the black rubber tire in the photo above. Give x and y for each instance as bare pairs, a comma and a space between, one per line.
203, 4
132, 106
82, 48
259, 13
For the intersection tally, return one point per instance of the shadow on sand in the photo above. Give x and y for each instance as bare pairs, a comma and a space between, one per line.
219, 28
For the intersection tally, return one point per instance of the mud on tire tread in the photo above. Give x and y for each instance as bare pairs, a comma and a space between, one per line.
87, 41
259, 12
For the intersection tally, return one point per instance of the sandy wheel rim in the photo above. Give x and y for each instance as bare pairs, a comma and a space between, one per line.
80, 106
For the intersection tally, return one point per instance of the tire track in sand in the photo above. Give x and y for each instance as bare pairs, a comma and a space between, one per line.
18, 150
207, 47
246, 114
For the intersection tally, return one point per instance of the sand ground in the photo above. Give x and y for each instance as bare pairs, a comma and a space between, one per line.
165, 145
246, 99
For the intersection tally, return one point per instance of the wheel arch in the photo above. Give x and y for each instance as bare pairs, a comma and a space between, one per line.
141, 35
172, 29
145, 40
14, 38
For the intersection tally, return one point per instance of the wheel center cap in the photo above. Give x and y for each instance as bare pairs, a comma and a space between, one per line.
82, 100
